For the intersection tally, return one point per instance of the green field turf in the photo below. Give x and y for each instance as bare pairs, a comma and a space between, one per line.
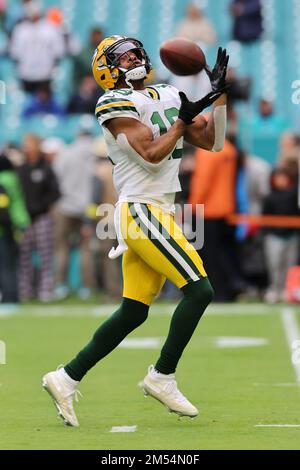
235, 388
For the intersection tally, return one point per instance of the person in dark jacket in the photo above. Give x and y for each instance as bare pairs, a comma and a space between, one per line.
81, 63
13, 220
83, 101
41, 191
247, 26
281, 243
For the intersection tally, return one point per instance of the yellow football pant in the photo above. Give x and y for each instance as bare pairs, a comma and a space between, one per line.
157, 249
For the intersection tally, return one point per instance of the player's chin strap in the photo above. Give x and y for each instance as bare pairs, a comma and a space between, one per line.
220, 118
138, 73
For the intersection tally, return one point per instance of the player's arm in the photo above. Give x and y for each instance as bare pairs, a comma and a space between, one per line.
210, 134
137, 140
135, 137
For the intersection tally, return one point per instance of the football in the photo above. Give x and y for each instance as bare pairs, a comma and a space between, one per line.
182, 56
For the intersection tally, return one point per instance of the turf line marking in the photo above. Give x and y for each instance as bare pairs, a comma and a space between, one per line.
141, 343
239, 342
278, 384
123, 428
277, 426
159, 309
292, 333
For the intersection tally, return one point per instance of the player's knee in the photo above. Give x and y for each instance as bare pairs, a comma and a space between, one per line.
201, 291
208, 292
137, 319
134, 312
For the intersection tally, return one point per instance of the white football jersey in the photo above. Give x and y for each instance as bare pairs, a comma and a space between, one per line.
157, 107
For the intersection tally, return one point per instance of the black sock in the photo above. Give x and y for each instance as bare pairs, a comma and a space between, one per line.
129, 316
197, 296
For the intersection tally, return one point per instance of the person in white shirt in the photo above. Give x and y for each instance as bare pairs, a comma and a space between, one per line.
36, 46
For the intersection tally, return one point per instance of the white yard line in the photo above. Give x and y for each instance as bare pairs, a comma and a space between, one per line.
141, 343
278, 384
239, 342
277, 426
107, 309
292, 333
123, 428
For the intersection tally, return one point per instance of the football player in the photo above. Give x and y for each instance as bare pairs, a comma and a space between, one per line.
144, 128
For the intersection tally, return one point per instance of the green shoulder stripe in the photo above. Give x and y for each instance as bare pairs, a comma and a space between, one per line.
110, 100
111, 109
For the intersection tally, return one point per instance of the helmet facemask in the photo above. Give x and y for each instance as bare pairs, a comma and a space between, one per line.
122, 47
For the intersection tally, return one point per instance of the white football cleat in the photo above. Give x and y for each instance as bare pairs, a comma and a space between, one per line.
62, 392
164, 389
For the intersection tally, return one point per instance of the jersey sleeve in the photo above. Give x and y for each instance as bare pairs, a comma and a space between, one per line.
169, 91
113, 106
174, 92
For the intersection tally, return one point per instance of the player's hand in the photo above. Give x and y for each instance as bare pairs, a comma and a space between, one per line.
217, 75
189, 109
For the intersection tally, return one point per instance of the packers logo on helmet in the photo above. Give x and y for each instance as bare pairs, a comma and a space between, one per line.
105, 63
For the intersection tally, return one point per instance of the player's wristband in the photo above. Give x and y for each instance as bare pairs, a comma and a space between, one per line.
220, 118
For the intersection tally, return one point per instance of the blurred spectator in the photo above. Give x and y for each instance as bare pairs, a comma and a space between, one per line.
232, 123
196, 27
3, 7
43, 102
186, 170
258, 178
239, 88
289, 153
14, 154
247, 23
16, 13
281, 243
84, 101
3, 28
213, 184
242, 196
252, 260
13, 220
52, 148
41, 192
239, 91
55, 17
82, 62
261, 133
36, 46
74, 169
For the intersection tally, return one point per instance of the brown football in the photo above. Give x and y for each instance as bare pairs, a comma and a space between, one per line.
182, 56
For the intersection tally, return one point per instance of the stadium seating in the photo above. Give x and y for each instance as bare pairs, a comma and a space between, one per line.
273, 63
